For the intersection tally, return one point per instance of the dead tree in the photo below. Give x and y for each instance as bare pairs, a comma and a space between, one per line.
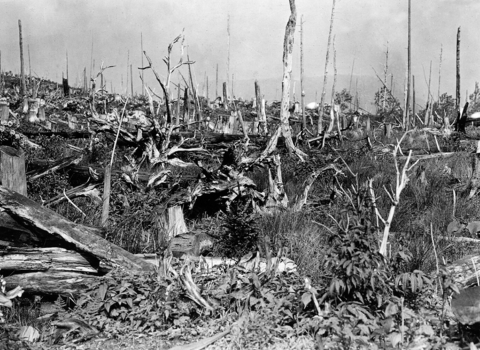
287, 71
167, 59
409, 67
440, 72
394, 196
262, 119
302, 92
322, 98
22, 66
457, 89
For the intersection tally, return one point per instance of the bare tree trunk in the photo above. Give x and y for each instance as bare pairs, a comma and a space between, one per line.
429, 99
186, 106
22, 67
91, 62
106, 195
195, 93
1, 74
336, 112
225, 96
302, 92
85, 85
260, 117
351, 78
179, 91
128, 65
322, 98
216, 83
29, 68
287, 71
66, 60
385, 72
141, 54
440, 71
228, 52
409, 66
457, 89
131, 79
413, 99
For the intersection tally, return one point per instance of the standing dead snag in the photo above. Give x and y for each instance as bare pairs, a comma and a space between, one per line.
22, 66
322, 98
400, 183
287, 71
167, 59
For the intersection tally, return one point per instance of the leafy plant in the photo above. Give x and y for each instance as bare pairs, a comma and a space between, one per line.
359, 272
141, 302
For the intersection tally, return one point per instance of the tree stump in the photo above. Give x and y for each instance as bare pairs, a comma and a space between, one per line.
388, 130
12, 169
3, 111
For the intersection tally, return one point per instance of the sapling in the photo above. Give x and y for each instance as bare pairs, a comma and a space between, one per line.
394, 196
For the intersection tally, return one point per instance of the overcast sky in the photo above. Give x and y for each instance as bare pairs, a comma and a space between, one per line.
257, 27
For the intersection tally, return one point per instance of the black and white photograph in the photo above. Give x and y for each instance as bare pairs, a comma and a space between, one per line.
239, 175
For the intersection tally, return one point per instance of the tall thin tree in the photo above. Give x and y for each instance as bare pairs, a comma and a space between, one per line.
22, 67
302, 91
216, 83
322, 98
66, 63
284, 128
457, 95
128, 73
131, 79
429, 99
385, 73
92, 62
1, 73
141, 54
228, 53
29, 66
440, 71
409, 67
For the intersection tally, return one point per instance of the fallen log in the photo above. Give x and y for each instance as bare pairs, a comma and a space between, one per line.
51, 282
48, 222
465, 271
54, 166
64, 134
45, 259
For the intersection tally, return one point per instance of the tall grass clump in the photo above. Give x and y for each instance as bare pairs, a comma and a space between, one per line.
303, 239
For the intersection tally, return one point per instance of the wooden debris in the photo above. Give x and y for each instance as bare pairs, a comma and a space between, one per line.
55, 282
12, 168
45, 259
83, 239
